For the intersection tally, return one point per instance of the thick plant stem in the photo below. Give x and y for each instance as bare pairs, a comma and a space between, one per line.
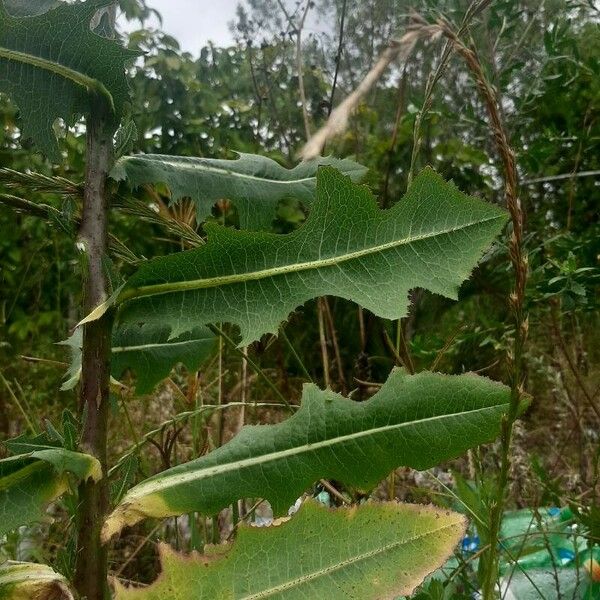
91, 560
519, 263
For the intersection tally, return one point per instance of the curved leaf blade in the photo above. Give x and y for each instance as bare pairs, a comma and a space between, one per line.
372, 552
416, 421
30, 481
151, 354
348, 247
20, 580
255, 184
51, 61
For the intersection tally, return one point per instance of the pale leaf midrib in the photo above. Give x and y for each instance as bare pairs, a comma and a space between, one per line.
169, 481
81, 79
210, 282
225, 172
29, 575
298, 581
142, 347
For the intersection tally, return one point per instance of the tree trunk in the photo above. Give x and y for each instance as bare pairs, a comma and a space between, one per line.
91, 560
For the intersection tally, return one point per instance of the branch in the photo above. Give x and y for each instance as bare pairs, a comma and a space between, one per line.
338, 120
560, 177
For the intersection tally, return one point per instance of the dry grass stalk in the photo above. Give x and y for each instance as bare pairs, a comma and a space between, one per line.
519, 262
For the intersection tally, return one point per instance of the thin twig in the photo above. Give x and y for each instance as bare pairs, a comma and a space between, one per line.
19, 405
47, 361
445, 348
560, 177
392, 146
300, 69
331, 489
567, 355
338, 58
252, 364
137, 550
295, 354
323, 342
336, 345
399, 352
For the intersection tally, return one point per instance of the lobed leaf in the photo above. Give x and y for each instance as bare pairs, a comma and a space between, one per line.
50, 62
33, 479
348, 247
416, 421
255, 184
148, 352
151, 355
31, 581
371, 552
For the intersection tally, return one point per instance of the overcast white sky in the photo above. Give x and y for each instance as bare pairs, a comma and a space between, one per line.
195, 22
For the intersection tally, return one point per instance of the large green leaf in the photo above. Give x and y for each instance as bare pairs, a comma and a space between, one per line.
30, 581
254, 183
416, 421
370, 552
51, 62
149, 353
348, 247
31, 480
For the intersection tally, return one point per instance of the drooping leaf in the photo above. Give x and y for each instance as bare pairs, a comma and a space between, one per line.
30, 481
371, 552
31, 581
147, 352
416, 421
151, 355
348, 247
51, 62
254, 183
126, 137
74, 344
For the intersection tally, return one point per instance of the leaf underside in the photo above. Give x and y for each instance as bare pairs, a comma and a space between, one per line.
31, 581
371, 552
63, 37
348, 247
416, 421
255, 184
149, 353
31, 480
